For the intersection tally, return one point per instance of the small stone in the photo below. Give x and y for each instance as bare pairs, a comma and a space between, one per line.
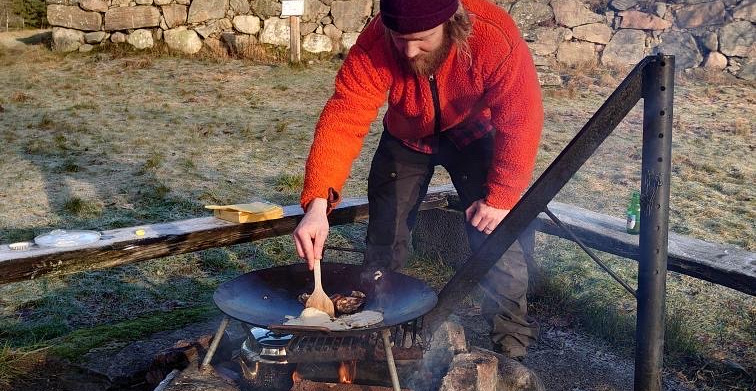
348, 40
576, 53
95, 37
317, 43
621, 5
642, 21
660, 9
118, 37
247, 24
710, 41
93, 5
140, 39
549, 79
183, 40
716, 61
748, 70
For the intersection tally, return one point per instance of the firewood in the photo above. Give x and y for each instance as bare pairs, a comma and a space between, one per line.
309, 385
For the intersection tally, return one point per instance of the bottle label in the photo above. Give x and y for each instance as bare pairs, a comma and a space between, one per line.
631, 222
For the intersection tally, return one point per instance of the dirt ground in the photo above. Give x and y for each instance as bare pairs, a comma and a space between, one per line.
117, 127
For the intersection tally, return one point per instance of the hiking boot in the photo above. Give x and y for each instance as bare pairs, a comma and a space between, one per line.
498, 349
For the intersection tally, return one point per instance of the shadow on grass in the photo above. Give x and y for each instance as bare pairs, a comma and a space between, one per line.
44, 37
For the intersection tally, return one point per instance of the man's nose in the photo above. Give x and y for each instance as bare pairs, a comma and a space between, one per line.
411, 50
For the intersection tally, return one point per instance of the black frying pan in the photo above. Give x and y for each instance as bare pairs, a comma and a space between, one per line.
264, 297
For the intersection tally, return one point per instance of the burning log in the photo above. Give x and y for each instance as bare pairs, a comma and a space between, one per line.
308, 385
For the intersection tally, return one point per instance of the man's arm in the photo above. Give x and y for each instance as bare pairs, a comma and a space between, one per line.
514, 97
360, 91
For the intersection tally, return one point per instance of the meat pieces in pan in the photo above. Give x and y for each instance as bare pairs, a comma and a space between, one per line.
343, 304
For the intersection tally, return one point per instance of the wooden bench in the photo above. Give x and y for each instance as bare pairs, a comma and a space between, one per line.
726, 265
721, 264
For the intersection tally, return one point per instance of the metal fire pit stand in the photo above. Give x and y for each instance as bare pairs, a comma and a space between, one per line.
385, 334
214, 345
653, 80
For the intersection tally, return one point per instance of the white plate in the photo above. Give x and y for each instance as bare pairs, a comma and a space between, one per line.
64, 238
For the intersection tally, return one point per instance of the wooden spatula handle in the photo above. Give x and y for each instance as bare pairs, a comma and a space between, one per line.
316, 271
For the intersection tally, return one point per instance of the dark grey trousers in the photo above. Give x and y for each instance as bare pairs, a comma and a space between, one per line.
398, 181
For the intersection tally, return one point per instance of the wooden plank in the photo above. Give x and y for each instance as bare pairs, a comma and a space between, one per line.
725, 265
122, 246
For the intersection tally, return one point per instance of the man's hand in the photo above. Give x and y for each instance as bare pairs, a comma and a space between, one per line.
483, 217
311, 233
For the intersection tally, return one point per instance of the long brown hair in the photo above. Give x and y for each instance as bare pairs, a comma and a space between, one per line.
458, 28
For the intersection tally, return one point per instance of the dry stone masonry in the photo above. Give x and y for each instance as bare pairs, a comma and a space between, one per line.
714, 34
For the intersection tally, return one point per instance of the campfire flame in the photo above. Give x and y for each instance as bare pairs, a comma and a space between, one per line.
295, 377
347, 371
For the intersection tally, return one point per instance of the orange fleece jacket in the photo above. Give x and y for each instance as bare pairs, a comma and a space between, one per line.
498, 81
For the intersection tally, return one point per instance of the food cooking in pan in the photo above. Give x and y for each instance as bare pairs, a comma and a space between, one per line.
342, 303
348, 307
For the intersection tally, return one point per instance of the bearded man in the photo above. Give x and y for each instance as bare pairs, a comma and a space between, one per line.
462, 93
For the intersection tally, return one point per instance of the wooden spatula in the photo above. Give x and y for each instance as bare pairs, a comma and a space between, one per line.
318, 299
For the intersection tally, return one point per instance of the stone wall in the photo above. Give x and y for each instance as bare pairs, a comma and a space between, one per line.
716, 34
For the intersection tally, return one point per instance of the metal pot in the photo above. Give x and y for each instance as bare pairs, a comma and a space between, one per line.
263, 360
264, 345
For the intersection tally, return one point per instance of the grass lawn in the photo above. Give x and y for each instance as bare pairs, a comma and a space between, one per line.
113, 139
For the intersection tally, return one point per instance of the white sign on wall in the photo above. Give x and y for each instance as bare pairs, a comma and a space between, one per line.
292, 8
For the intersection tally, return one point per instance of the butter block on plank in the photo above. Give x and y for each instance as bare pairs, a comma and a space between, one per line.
247, 213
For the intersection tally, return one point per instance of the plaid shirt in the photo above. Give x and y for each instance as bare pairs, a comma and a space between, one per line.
460, 136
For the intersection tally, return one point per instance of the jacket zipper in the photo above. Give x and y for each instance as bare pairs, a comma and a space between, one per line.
436, 105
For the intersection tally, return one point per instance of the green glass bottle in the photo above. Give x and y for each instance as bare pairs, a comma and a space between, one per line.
633, 214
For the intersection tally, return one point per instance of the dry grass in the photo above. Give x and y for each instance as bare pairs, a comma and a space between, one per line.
14, 363
118, 138
20, 97
742, 127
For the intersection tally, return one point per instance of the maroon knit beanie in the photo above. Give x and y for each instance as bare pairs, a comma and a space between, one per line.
412, 16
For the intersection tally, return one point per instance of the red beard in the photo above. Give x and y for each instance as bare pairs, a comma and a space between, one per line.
425, 64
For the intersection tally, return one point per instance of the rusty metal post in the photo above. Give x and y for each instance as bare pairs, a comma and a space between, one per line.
658, 91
